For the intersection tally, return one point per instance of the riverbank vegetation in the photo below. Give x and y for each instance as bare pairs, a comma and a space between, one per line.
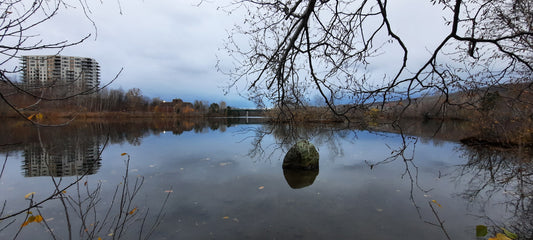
500, 115
105, 103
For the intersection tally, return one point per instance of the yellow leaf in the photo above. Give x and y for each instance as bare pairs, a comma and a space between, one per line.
500, 236
38, 218
110, 234
25, 224
169, 191
29, 195
132, 211
99, 238
39, 116
31, 219
64, 191
261, 187
31, 116
435, 201
226, 217
123, 154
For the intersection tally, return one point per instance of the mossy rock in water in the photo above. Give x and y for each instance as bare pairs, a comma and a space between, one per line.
303, 155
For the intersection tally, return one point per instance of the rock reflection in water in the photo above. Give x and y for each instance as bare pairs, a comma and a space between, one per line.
298, 178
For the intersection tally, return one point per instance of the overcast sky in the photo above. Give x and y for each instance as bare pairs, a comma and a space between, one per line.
169, 48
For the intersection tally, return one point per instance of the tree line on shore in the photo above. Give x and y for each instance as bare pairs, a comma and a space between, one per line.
105, 100
500, 115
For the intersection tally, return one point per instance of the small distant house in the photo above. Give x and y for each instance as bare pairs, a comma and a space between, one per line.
176, 106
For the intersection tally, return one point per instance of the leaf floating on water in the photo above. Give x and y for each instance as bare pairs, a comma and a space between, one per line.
509, 234
262, 187
99, 238
29, 195
379, 210
224, 164
225, 217
435, 201
123, 154
110, 234
500, 236
169, 191
481, 230
132, 211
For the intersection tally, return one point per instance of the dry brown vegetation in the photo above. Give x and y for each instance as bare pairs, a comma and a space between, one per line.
499, 115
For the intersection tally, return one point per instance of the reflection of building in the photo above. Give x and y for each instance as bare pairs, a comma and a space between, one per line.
62, 160
74, 72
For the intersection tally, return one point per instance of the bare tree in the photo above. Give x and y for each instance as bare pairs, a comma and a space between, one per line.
304, 48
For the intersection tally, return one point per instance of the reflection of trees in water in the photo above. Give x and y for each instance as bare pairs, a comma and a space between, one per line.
492, 172
499, 172
76, 150
72, 149
286, 135
16, 134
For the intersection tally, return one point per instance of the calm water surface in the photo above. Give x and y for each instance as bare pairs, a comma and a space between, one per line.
225, 181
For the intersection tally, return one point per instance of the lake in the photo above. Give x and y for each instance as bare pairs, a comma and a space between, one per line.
223, 179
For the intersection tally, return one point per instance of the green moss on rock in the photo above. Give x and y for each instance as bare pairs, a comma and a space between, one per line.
303, 155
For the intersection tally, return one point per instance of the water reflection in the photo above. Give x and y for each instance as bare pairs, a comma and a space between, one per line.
298, 178
504, 177
330, 136
493, 178
74, 150
387, 178
62, 157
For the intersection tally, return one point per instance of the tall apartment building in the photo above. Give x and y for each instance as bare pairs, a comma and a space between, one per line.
72, 73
